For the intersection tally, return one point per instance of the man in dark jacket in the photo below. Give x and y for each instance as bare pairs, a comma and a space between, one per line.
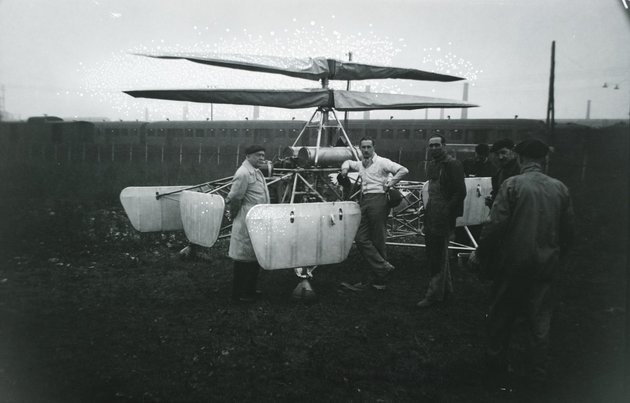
480, 166
529, 232
447, 191
505, 158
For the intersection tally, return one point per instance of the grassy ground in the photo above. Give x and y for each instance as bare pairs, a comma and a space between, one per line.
92, 311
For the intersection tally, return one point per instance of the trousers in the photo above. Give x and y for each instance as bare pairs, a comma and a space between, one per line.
372, 233
441, 283
530, 299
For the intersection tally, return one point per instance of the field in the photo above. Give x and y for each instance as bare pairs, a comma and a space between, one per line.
92, 311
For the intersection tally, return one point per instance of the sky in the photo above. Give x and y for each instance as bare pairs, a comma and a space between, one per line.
73, 58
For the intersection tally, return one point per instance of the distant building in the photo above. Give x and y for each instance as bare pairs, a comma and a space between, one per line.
4, 115
87, 119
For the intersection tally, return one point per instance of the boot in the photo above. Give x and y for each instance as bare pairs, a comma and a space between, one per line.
254, 286
240, 283
249, 289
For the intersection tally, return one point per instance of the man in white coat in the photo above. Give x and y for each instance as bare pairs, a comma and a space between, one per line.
248, 189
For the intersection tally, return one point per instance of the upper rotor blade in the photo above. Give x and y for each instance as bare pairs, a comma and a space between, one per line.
356, 71
291, 99
311, 68
366, 101
308, 68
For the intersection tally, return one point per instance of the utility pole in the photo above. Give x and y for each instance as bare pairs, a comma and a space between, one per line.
366, 114
627, 366
2, 111
588, 109
550, 103
465, 98
345, 114
211, 107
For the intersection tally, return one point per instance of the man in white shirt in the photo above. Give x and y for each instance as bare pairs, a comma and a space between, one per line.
377, 174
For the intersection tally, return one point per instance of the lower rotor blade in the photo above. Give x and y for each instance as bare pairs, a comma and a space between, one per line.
291, 99
366, 101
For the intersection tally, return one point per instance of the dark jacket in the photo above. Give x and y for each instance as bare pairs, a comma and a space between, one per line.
479, 169
510, 169
530, 228
452, 184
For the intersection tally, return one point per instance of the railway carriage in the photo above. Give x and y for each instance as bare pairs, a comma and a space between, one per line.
52, 138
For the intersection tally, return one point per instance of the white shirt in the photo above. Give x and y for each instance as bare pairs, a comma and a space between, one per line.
375, 176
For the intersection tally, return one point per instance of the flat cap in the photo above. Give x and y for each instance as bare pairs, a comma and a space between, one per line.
482, 149
532, 148
254, 148
503, 143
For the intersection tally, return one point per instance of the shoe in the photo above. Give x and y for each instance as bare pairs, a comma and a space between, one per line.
425, 303
498, 385
244, 299
358, 287
380, 282
256, 295
379, 285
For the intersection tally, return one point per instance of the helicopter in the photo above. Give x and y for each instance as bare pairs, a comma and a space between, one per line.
314, 218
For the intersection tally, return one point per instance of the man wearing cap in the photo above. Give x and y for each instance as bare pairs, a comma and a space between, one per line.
248, 189
377, 174
503, 151
480, 166
528, 235
447, 191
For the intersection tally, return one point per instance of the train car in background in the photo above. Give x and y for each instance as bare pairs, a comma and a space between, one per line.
467, 131
51, 130
53, 137
49, 150
193, 133
119, 132
43, 138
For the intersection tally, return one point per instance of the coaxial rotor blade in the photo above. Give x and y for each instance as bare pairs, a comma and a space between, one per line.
356, 71
310, 68
366, 101
291, 99
304, 98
